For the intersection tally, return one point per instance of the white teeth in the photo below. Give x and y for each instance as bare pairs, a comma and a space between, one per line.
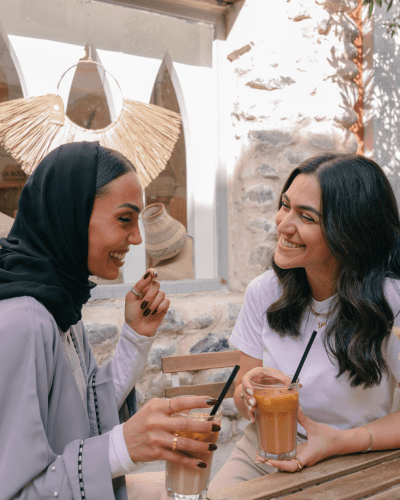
290, 245
119, 256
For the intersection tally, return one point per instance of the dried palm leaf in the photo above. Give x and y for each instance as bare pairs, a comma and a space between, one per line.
32, 127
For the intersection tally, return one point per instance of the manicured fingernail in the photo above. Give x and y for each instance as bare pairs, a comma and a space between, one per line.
212, 447
154, 312
144, 304
216, 428
211, 401
249, 408
249, 392
251, 402
146, 275
147, 312
202, 465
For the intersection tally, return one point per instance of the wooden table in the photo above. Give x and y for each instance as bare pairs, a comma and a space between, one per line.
349, 477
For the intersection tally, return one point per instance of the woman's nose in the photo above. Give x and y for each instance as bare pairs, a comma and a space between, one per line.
135, 238
285, 223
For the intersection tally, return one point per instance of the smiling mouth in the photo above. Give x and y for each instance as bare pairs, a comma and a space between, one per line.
288, 244
118, 256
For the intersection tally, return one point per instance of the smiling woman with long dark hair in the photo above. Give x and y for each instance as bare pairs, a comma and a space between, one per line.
335, 270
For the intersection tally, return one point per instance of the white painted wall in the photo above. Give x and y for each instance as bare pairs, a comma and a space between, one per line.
382, 104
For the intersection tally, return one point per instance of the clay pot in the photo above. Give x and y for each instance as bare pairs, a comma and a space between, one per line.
165, 236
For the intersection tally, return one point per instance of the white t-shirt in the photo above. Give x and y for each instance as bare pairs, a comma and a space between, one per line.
323, 397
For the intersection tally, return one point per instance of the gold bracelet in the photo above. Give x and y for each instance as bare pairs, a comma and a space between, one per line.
370, 435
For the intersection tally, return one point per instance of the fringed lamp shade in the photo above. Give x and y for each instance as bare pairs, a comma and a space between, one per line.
32, 127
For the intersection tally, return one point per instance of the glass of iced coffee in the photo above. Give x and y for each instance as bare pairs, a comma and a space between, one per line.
276, 416
191, 484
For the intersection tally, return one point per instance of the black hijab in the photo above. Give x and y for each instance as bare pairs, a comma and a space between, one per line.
45, 254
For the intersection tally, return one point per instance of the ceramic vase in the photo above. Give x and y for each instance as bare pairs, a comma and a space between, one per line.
165, 236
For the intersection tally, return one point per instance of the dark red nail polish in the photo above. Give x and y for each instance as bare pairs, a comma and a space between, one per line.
144, 304
216, 428
147, 312
202, 465
154, 312
212, 447
146, 275
211, 401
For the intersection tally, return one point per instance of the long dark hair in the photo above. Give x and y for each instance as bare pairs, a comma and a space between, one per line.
360, 223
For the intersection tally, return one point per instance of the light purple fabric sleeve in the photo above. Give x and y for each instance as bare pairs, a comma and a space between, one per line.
42, 416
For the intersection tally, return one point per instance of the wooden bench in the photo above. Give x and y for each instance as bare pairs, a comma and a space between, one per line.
194, 362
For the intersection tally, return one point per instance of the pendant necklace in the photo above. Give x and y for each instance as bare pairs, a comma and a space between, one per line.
323, 323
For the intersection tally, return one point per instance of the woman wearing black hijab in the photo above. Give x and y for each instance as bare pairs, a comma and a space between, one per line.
59, 429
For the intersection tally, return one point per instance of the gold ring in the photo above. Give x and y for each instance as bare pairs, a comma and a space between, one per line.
299, 464
175, 442
138, 294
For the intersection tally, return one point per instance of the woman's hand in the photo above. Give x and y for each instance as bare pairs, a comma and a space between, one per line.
247, 388
144, 314
149, 434
322, 443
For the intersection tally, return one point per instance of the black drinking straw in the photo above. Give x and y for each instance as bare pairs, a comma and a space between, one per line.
225, 390
310, 343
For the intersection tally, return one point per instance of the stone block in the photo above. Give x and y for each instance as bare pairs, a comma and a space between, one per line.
157, 352
99, 333
262, 224
174, 320
225, 434
270, 83
294, 157
233, 311
272, 137
268, 172
229, 408
211, 343
260, 256
241, 423
322, 141
260, 194
204, 320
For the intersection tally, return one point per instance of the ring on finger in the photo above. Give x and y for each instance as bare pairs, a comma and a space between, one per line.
299, 464
175, 442
138, 294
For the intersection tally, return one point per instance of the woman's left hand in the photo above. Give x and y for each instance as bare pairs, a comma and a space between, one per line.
322, 443
144, 314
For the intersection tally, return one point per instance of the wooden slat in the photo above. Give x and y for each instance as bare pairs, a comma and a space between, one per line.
213, 390
390, 494
204, 361
281, 483
354, 486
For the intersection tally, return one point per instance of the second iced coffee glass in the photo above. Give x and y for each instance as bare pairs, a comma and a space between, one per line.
276, 417
191, 484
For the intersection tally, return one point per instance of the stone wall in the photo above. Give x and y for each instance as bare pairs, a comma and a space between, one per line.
290, 96
195, 323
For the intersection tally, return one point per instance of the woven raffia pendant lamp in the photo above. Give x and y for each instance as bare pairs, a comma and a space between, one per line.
165, 236
32, 127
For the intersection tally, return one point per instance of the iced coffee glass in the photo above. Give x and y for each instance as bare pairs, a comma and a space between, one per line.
191, 484
276, 417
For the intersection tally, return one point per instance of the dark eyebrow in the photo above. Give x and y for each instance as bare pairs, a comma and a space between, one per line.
303, 207
129, 205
